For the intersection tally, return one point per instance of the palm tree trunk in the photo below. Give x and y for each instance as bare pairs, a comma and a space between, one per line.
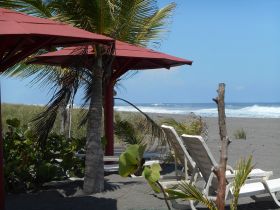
94, 167
63, 116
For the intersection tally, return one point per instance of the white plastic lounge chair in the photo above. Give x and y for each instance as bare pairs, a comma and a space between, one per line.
205, 161
183, 155
180, 152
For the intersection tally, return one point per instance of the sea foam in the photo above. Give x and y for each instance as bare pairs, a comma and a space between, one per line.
236, 110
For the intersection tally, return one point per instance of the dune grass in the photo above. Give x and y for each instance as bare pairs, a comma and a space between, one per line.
25, 113
240, 134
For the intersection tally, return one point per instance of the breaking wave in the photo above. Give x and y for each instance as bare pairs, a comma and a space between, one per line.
209, 110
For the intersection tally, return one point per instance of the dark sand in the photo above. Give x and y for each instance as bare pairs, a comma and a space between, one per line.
263, 142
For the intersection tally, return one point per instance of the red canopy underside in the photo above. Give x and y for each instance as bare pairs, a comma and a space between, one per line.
128, 57
22, 35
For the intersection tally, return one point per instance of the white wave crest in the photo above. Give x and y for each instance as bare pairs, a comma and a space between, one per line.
254, 111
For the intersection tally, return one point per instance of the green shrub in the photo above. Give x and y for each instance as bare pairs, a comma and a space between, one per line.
27, 166
240, 134
132, 129
193, 125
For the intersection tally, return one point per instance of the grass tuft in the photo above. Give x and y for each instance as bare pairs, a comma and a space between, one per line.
240, 134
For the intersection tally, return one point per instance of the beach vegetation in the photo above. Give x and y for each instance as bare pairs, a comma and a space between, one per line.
130, 131
137, 128
240, 134
192, 125
190, 192
27, 166
26, 113
131, 162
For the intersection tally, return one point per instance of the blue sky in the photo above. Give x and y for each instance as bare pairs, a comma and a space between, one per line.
232, 41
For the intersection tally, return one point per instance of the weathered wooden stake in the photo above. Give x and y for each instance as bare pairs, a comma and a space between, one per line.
221, 169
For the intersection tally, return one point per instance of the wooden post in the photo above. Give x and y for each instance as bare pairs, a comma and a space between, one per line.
221, 169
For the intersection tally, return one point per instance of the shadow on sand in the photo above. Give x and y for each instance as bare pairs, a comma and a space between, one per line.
51, 200
260, 205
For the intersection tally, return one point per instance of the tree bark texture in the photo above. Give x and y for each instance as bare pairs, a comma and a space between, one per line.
94, 166
64, 123
221, 169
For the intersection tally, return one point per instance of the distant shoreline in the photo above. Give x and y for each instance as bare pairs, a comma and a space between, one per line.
240, 110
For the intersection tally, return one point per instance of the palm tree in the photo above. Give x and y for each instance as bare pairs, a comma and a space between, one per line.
139, 22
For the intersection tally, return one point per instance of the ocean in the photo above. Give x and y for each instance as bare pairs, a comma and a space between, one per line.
243, 110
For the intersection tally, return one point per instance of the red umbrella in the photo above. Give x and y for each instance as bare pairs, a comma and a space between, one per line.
22, 35
127, 57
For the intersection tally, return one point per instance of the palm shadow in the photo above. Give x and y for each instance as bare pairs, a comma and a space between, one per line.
53, 200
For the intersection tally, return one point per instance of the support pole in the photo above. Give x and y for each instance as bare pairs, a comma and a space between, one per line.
2, 191
109, 117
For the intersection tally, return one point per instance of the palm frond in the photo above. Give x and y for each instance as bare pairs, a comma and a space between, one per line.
156, 25
244, 167
91, 15
126, 132
38, 8
66, 91
188, 191
155, 128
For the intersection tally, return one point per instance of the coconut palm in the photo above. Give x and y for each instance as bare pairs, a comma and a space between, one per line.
138, 22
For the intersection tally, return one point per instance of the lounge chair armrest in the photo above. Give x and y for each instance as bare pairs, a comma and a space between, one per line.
256, 173
230, 169
260, 173
259, 179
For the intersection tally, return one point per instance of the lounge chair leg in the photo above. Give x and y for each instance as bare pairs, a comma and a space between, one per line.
273, 195
179, 206
193, 204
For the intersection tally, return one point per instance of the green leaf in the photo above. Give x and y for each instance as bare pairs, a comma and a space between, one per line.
152, 175
130, 160
155, 187
13, 122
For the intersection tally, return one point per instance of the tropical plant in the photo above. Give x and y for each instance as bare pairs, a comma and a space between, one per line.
127, 132
188, 191
134, 21
27, 166
192, 125
136, 129
131, 161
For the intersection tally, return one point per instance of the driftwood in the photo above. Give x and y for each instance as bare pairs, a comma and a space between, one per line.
221, 169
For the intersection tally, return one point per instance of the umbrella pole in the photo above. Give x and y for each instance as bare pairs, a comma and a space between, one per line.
2, 192
109, 118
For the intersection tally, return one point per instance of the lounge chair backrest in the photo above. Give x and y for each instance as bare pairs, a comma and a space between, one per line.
201, 155
178, 146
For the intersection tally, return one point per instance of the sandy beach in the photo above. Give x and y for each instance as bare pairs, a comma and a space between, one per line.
263, 142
